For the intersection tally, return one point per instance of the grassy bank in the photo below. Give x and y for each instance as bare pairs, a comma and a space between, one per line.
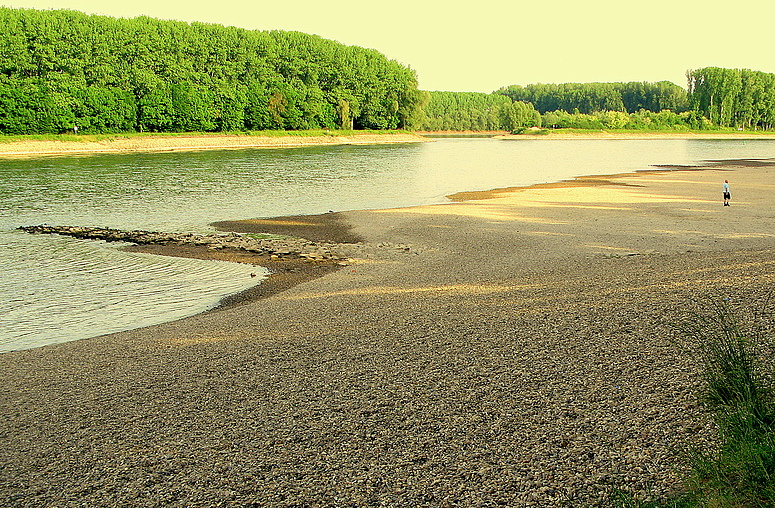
640, 134
543, 133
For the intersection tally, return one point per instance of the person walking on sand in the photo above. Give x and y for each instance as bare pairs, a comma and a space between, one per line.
726, 193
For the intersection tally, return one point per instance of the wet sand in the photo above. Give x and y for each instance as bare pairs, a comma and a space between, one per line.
519, 353
284, 273
327, 227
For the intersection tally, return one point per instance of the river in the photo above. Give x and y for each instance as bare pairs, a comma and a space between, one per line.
56, 289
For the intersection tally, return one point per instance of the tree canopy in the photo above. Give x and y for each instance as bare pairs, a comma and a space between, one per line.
63, 68
733, 97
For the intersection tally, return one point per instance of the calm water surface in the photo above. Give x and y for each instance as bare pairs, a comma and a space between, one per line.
55, 289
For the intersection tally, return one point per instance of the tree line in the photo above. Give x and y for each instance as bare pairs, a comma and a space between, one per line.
63, 68
459, 111
640, 120
463, 111
716, 98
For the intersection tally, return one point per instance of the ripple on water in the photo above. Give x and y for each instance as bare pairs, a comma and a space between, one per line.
78, 289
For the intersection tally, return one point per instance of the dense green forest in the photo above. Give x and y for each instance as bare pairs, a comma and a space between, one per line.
642, 120
496, 111
62, 68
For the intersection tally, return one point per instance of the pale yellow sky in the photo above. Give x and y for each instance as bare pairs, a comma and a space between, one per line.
485, 45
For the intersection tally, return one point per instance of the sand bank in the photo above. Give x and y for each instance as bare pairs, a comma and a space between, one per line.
162, 143
520, 353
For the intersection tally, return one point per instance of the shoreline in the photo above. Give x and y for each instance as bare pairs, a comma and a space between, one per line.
291, 258
84, 145
283, 274
333, 226
185, 142
612, 179
745, 135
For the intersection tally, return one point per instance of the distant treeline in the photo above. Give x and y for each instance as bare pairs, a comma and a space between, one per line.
462, 111
635, 105
588, 98
64, 68
717, 98
641, 120
459, 111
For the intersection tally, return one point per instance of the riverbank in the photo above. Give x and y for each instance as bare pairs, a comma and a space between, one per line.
184, 142
520, 353
85, 145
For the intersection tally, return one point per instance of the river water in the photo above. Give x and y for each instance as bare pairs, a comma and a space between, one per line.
55, 289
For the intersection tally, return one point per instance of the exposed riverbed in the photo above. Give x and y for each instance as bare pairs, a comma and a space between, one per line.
56, 289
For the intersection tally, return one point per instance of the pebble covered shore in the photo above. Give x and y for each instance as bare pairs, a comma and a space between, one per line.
536, 395
506, 359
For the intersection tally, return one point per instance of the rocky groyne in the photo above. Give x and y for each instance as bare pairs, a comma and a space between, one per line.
272, 247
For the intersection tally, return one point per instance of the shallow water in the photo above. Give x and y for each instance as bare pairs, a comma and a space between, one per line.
55, 289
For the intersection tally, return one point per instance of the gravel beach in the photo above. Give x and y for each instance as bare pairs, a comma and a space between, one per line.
512, 349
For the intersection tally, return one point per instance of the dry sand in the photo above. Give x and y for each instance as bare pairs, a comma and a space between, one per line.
162, 143
519, 354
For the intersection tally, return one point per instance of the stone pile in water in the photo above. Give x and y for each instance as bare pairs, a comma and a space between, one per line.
280, 247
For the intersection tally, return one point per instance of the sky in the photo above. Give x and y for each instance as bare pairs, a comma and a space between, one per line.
480, 47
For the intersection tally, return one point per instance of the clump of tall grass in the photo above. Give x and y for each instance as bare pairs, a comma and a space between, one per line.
737, 391
735, 360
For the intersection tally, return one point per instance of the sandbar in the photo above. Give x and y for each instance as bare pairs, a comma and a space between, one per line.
188, 142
